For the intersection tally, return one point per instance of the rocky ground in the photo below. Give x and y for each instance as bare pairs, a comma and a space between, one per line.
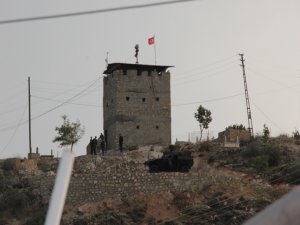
251, 186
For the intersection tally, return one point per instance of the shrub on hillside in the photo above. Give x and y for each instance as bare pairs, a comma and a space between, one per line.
137, 214
14, 201
205, 146
253, 149
43, 166
292, 175
180, 200
38, 218
133, 147
261, 155
9, 164
274, 154
260, 162
79, 221
109, 218
2, 182
3, 221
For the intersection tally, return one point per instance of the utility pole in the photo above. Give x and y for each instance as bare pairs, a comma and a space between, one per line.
250, 125
29, 117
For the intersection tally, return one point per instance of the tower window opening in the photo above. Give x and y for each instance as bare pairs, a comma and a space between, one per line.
157, 127
157, 99
138, 127
127, 98
143, 99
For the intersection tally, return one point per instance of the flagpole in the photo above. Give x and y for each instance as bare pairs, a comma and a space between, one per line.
154, 50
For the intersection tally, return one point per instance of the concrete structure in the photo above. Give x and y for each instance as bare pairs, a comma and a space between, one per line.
136, 104
231, 138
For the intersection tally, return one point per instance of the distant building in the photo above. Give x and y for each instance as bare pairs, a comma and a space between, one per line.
136, 104
233, 137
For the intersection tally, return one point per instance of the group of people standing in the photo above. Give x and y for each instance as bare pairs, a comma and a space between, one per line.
94, 144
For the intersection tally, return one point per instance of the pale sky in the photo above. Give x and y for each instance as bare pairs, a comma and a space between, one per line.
201, 39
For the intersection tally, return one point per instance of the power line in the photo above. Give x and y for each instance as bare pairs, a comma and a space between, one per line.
121, 8
67, 101
70, 103
15, 131
52, 109
206, 76
204, 67
281, 83
209, 100
17, 94
72, 98
266, 116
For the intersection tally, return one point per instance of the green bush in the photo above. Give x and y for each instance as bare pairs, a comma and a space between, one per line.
293, 174
38, 218
44, 166
2, 182
274, 155
261, 156
9, 164
137, 214
14, 201
172, 148
78, 221
205, 146
260, 162
253, 150
3, 222
133, 147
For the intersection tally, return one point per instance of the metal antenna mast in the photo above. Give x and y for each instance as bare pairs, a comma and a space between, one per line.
247, 99
29, 117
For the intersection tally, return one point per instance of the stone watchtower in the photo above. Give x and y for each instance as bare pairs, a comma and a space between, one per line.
136, 104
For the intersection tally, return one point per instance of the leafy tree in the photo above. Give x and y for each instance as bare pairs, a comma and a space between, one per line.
203, 116
68, 133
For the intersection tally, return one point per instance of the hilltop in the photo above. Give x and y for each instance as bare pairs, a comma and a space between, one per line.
224, 186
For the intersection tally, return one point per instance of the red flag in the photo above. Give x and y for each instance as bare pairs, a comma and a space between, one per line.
151, 41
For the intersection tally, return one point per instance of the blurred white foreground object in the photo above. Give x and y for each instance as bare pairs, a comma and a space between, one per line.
285, 211
59, 192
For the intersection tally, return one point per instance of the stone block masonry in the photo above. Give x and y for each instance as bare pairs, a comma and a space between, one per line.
102, 179
137, 104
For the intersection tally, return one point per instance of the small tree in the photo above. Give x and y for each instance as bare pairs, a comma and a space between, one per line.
203, 116
68, 133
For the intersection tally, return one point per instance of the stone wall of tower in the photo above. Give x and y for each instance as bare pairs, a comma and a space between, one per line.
137, 104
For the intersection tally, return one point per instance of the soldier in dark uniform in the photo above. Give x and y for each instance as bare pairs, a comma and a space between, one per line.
121, 143
94, 146
91, 143
102, 143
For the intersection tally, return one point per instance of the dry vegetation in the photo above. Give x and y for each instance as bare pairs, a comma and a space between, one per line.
264, 171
